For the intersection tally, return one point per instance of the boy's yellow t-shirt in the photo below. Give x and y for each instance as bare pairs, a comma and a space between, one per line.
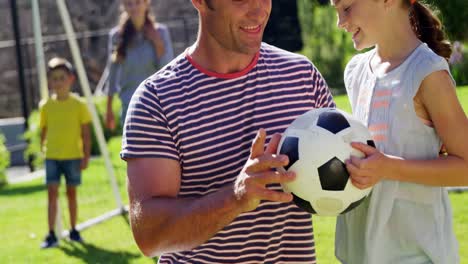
63, 121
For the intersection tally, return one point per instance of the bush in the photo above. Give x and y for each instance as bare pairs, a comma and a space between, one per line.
329, 47
460, 70
454, 14
101, 104
33, 151
4, 161
33, 134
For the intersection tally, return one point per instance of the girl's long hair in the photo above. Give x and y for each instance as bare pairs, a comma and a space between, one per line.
127, 32
428, 28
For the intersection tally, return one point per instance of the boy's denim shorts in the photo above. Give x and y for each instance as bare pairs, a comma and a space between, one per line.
69, 168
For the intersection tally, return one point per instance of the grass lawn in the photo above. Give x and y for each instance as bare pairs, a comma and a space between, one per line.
24, 224
23, 219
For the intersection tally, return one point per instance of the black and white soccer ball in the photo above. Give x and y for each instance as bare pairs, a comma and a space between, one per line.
318, 144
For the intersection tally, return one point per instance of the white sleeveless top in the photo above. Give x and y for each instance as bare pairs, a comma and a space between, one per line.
399, 222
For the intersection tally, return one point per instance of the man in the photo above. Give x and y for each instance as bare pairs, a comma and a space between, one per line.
200, 191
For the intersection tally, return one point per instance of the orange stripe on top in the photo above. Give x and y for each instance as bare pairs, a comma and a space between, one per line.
383, 93
378, 127
380, 104
379, 138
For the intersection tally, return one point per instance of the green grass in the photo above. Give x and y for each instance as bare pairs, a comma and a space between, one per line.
23, 219
24, 224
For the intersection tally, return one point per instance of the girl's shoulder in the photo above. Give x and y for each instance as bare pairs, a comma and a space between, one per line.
114, 34
426, 61
358, 63
161, 27
424, 55
360, 58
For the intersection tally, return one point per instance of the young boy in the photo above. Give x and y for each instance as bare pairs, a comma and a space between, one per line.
65, 138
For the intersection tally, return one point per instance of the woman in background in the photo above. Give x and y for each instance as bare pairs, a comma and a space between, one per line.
138, 47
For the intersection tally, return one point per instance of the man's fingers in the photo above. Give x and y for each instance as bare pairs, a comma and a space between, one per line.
269, 177
258, 144
267, 162
273, 144
263, 193
276, 196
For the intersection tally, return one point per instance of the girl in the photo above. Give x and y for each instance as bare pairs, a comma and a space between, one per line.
138, 48
402, 89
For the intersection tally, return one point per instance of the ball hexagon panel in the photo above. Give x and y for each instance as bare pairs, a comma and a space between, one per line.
290, 149
332, 121
333, 175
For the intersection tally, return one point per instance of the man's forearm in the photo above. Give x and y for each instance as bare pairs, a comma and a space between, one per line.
174, 224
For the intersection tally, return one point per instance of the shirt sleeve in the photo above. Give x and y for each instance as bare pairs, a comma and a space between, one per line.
323, 95
42, 116
113, 82
429, 64
168, 49
147, 132
85, 115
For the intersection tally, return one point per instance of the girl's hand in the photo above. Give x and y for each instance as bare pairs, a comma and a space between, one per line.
368, 171
152, 34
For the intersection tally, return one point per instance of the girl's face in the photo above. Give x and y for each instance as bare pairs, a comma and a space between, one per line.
136, 9
361, 18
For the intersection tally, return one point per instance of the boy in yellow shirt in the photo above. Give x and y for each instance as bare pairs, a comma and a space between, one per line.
65, 138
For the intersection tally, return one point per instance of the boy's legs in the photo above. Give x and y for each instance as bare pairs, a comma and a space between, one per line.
72, 204
72, 173
52, 194
52, 181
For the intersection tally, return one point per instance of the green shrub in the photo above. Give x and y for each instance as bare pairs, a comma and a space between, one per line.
101, 104
32, 135
460, 70
329, 47
454, 14
4, 161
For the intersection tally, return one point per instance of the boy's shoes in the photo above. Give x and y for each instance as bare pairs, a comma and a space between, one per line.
75, 236
50, 241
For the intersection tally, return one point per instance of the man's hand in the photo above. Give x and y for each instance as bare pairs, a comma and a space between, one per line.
259, 170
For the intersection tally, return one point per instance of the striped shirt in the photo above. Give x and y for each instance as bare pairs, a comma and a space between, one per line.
207, 122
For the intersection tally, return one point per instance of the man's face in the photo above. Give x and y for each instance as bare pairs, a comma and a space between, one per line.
236, 25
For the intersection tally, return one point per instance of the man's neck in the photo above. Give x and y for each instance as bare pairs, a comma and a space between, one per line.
218, 60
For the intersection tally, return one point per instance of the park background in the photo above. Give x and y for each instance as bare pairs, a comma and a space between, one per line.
304, 26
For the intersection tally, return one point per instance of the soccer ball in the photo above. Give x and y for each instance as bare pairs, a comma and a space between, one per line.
318, 144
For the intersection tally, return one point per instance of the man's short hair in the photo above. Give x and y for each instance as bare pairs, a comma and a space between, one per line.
59, 63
